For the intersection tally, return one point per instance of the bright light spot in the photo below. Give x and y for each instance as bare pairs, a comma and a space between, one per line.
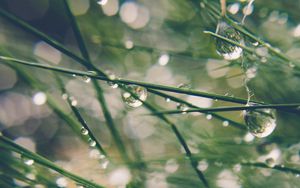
46, 52
296, 32
249, 137
110, 8
39, 98
102, 2
134, 15
129, 12
119, 177
247, 10
61, 182
164, 59
234, 8
128, 44
26, 143
226, 179
171, 166
237, 52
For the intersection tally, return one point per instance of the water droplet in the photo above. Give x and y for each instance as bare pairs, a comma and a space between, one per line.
260, 122
129, 44
92, 142
297, 175
111, 76
163, 59
139, 91
102, 2
227, 50
225, 123
202, 165
208, 116
84, 131
74, 102
182, 107
270, 162
292, 65
104, 162
74, 75
169, 100
27, 161
86, 79
93, 73
61, 182
64, 96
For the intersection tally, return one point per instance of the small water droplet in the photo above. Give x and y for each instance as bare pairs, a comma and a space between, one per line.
93, 73
86, 79
92, 142
163, 60
104, 162
74, 102
227, 50
74, 75
255, 43
27, 161
208, 116
292, 65
270, 162
64, 96
260, 122
102, 2
182, 107
225, 123
297, 175
112, 77
139, 91
169, 100
84, 131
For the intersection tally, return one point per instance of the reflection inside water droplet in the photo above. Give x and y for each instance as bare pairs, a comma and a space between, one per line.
260, 122
130, 100
227, 50
84, 131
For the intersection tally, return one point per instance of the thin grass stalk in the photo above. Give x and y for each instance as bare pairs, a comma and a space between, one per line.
6, 143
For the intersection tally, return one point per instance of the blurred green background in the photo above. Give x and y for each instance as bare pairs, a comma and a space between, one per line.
158, 41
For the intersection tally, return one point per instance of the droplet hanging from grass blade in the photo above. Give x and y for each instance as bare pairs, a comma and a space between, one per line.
140, 93
228, 50
260, 122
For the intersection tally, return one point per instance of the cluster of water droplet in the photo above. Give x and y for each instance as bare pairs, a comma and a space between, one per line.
260, 122
139, 92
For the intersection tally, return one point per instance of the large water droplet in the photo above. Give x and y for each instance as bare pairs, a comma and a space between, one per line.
227, 50
260, 122
139, 91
